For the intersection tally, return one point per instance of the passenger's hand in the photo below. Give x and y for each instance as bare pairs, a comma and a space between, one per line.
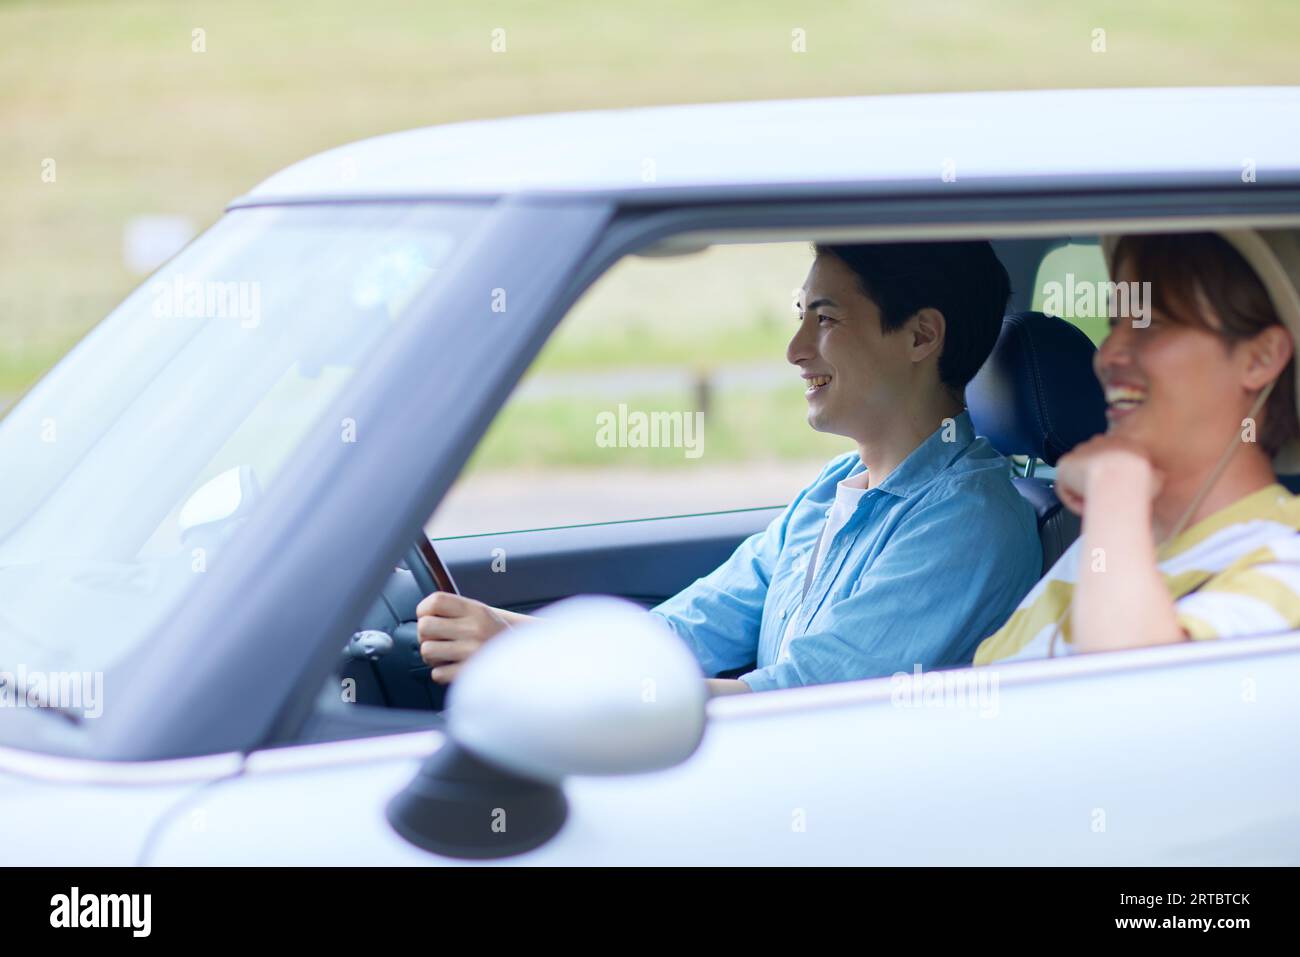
1105, 458
453, 627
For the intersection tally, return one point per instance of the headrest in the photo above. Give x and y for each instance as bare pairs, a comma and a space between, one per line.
1037, 394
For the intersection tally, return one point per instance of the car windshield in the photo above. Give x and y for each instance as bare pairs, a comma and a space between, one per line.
130, 464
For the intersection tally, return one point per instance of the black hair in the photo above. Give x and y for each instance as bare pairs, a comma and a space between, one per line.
963, 280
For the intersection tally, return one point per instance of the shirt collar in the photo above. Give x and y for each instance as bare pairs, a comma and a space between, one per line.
928, 459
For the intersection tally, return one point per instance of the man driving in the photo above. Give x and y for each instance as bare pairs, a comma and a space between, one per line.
899, 553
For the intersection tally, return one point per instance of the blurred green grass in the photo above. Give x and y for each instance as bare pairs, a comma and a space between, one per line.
742, 425
139, 124
622, 345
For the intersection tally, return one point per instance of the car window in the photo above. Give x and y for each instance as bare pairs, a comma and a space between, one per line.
664, 391
1071, 284
152, 442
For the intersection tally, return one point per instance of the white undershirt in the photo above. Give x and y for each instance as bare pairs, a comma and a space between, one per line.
848, 493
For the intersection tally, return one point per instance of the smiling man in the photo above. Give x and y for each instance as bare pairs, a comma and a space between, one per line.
903, 552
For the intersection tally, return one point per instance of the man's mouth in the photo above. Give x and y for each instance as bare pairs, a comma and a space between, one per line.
1123, 399
816, 383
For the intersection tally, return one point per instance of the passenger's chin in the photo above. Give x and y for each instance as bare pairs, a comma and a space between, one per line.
1136, 430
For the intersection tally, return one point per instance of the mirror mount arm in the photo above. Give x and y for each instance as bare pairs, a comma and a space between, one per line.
459, 805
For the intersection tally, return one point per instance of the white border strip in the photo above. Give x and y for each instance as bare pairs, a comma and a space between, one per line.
64, 770
412, 744
58, 769
1011, 674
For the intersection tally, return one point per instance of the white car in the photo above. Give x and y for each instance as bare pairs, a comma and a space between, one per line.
203, 500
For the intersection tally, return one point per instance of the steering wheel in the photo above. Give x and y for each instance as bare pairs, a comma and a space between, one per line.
427, 569
396, 677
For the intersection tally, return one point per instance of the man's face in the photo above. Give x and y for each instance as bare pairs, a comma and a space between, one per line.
854, 374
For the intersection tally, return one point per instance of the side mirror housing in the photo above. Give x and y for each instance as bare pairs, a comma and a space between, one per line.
596, 686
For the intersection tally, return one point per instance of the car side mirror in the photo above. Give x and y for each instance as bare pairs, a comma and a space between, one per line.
596, 686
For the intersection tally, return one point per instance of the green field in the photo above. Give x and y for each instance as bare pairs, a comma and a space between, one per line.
742, 426
137, 122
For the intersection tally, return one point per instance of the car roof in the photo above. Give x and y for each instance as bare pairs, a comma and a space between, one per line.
900, 143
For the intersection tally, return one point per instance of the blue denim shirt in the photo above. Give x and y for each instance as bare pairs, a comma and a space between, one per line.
932, 561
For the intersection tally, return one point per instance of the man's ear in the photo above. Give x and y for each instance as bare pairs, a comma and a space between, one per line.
1267, 354
927, 328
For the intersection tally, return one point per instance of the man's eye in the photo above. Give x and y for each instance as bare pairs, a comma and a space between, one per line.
825, 319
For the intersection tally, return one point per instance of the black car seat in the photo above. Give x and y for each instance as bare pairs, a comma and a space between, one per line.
1037, 396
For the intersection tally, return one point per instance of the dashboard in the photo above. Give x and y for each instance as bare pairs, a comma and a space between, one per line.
381, 664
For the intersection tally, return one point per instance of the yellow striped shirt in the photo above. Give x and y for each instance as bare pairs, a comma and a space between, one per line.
1234, 573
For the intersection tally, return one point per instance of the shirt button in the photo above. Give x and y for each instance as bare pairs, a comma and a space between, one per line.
783, 614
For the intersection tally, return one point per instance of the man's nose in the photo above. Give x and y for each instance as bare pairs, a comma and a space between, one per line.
800, 348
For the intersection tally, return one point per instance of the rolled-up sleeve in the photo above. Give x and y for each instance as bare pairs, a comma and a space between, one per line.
949, 577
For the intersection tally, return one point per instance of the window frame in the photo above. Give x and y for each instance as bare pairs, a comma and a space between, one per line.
274, 706
642, 228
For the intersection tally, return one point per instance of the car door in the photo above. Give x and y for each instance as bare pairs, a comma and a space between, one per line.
1169, 756
645, 561
818, 754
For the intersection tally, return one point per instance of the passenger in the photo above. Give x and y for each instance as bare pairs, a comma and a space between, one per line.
1187, 534
899, 552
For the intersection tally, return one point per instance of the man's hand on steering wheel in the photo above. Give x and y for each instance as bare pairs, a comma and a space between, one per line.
453, 627
450, 626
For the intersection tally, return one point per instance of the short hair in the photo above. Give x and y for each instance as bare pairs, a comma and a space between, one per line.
963, 280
